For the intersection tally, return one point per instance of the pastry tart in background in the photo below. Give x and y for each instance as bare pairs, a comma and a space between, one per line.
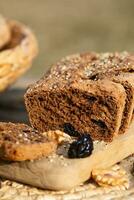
5, 33
17, 51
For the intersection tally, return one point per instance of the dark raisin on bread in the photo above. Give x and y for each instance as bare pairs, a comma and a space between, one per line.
19, 142
78, 91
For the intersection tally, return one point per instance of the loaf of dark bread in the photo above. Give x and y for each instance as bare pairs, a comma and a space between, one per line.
85, 93
19, 142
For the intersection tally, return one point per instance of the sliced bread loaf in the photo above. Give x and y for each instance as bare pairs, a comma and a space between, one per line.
77, 92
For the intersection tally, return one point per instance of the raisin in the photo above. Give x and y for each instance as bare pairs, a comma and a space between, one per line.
99, 123
91, 98
131, 70
70, 130
40, 98
82, 147
94, 77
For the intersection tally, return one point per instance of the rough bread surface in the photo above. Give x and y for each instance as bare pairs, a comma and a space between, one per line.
19, 142
78, 92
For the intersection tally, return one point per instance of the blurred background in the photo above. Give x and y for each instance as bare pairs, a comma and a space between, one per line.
64, 27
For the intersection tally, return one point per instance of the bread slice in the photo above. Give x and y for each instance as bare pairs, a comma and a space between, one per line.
127, 81
19, 142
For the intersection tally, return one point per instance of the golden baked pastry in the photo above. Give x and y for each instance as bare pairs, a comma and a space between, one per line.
5, 34
17, 56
